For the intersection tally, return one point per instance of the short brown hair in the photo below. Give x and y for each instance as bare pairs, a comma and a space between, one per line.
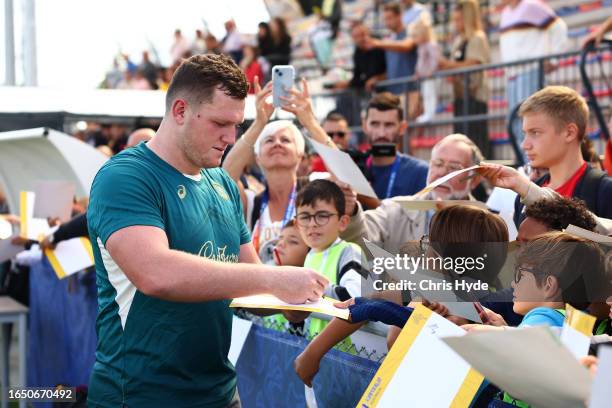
394, 8
469, 231
577, 264
564, 105
335, 116
197, 78
385, 101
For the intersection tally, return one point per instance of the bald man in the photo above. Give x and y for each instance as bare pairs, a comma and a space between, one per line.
140, 135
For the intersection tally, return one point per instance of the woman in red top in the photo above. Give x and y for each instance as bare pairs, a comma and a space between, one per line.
251, 67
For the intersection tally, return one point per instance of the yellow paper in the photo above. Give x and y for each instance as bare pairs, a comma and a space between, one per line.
323, 306
31, 227
580, 321
410, 375
70, 256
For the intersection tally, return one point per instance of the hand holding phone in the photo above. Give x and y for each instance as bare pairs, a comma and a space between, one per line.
283, 78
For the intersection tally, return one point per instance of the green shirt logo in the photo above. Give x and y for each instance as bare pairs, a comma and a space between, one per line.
182, 191
220, 190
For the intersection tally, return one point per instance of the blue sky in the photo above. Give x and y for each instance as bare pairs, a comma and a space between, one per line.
77, 39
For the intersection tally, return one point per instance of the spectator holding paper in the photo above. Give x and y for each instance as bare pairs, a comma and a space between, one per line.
455, 224
278, 148
390, 225
554, 123
553, 270
530, 192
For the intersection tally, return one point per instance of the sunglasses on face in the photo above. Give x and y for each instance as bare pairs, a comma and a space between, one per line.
338, 134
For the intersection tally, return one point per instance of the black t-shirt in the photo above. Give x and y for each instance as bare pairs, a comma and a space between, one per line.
366, 64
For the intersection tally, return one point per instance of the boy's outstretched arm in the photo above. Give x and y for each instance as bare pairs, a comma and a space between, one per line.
307, 364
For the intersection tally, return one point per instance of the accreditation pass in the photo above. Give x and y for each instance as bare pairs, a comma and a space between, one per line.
36, 394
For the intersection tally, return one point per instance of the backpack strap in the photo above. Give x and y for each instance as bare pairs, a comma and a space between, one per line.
256, 209
519, 215
588, 189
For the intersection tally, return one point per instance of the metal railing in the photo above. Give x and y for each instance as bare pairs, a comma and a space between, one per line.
507, 85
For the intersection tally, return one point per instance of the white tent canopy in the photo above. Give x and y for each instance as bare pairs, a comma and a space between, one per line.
94, 103
112, 103
29, 155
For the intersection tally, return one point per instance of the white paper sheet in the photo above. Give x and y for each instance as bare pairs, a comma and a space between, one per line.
323, 306
502, 201
31, 227
72, 256
417, 381
577, 331
8, 250
409, 203
601, 394
444, 179
575, 341
54, 199
344, 168
530, 364
593, 236
240, 331
6, 229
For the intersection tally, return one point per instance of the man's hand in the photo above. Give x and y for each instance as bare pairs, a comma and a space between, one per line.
505, 177
598, 34
19, 240
590, 363
263, 108
297, 285
306, 367
11, 218
300, 105
350, 197
46, 243
370, 84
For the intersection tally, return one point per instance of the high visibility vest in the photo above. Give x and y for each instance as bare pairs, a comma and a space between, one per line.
326, 263
602, 327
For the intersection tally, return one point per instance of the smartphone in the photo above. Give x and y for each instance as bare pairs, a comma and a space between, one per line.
384, 150
481, 312
283, 78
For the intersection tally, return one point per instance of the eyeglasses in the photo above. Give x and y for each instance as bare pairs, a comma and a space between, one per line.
339, 134
321, 218
519, 270
450, 166
424, 243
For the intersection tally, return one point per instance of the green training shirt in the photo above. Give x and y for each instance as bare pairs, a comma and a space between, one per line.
152, 352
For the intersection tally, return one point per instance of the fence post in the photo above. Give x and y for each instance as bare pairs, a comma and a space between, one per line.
541, 73
406, 147
466, 98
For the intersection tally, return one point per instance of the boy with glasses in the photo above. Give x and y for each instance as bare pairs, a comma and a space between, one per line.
321, 219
